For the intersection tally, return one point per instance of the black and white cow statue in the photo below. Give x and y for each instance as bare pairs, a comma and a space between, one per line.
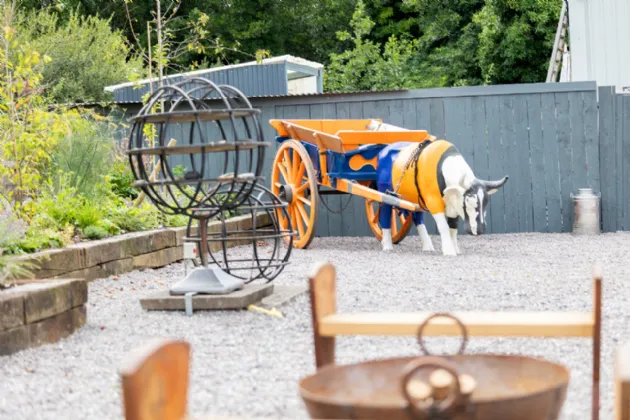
434, 175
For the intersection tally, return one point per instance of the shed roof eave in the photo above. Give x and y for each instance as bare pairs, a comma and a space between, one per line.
273, 60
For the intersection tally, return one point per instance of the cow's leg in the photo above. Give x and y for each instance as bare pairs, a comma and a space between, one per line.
425, 239
447, 241
452, 224
385, 220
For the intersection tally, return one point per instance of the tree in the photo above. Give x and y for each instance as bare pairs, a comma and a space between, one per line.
516, 39
370, 66
86, 55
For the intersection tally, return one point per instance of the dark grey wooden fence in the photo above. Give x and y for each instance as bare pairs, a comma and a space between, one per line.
550, 139
614, 159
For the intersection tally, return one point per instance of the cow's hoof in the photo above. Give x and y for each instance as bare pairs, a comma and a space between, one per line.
450, 252
428, 248
388, 248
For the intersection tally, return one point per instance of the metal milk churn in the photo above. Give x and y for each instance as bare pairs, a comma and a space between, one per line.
586, 219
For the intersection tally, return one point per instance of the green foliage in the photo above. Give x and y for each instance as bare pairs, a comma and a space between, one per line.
86, 55
365, 67
29, 131
512, 37
425, 43
94, 232
85, 153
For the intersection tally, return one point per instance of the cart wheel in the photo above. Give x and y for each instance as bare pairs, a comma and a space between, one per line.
293, 181
400, 224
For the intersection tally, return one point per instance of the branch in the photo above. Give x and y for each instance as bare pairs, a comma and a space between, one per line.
130, 23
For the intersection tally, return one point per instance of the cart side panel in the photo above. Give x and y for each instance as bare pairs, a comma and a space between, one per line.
359, 164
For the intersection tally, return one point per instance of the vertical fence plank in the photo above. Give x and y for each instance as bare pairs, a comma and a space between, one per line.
590, 140
395, 113
578, 140
480, 147
457, 131
508, 138
438, 126
334, 202
495, 162
625, 172
537, 164
524, 185
607, 159
619, 131
552, 166
564, 159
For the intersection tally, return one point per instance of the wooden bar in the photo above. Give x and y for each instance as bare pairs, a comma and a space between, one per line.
495, 324
193, 116
372, 194
224, 146
381, 137
597, 332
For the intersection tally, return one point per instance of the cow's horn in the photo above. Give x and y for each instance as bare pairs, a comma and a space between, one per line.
492, 186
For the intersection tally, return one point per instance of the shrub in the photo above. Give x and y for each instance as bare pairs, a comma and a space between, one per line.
86, 55
94, 232
85, 153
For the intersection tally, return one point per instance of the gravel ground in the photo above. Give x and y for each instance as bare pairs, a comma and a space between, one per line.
247, 363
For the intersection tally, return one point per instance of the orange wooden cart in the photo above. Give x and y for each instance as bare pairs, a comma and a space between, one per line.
340, 155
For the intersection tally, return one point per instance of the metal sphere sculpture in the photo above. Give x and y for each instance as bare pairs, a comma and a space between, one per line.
196, 149
261, 248
218, 165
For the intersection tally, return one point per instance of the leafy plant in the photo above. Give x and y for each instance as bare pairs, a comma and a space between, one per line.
29, 131
85, 153
94, 232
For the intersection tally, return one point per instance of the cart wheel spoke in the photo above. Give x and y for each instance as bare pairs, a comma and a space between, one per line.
298, 221
376, 215
302, 188
283, 171
288, 164
302, 211
299, 175
305, 201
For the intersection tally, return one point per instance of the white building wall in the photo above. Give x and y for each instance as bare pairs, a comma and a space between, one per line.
599, 38
304, 85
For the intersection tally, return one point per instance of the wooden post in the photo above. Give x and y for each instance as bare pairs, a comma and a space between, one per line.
323, 302
597, 331
622, 382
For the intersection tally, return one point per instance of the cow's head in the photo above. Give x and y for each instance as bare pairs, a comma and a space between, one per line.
472, 203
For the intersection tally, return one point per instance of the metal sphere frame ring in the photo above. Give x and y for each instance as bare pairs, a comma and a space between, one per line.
235, 187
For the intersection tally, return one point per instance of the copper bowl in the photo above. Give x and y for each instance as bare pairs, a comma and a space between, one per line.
508, 388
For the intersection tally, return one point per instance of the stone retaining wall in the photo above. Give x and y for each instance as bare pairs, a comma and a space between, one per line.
41, 312
120, 254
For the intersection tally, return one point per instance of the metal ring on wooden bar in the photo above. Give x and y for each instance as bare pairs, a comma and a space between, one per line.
445, 315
